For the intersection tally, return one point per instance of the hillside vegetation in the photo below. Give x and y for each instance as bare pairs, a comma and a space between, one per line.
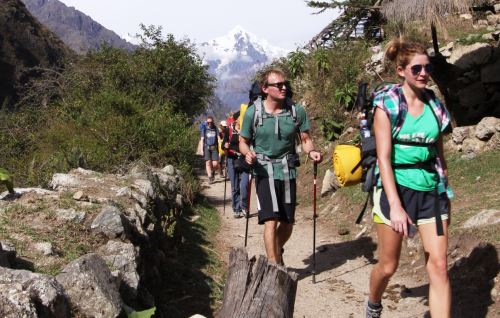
107, 109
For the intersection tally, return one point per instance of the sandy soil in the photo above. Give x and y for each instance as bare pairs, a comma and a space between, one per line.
342, 267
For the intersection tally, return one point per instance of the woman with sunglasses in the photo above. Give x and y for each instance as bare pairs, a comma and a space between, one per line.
412, 191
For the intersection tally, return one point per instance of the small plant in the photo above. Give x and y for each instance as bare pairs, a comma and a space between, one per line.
345, 95
331, 129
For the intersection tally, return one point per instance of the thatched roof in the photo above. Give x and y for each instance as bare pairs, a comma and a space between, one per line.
431, 11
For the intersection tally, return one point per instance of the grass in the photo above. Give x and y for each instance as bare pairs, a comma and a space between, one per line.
27, 224
195, 279
476, 185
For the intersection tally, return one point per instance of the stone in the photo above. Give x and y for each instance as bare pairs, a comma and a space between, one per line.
472, 95
16, 302
460, 133
144, 186
493, 19
451, 146
109, 222
468, 56
490, 73
122, 257
90, 287
493, 143
376, 48
377, 58
466, 16
488, 36
482, 23
44, 247
170, 170
43, 292
179, 201
497, 7
330, 183
485, 217
70, 215
486, 128
80, 196
124, 192
473, 145
63, 181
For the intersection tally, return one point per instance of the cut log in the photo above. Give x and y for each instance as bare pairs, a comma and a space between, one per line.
257, 288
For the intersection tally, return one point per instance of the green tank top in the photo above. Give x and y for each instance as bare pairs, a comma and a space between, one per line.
423, 128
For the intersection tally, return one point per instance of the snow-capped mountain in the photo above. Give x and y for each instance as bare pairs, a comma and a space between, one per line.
233, 59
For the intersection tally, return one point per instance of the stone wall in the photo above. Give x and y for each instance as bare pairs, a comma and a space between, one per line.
473, 140
126, 217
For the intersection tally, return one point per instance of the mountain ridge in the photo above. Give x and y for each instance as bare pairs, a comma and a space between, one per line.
78, 30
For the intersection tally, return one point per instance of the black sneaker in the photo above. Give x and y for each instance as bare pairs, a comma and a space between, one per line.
373, 311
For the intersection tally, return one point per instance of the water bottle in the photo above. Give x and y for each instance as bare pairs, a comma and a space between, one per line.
363, 129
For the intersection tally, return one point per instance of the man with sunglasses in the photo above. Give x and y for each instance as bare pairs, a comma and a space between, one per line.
271, 126
209, 139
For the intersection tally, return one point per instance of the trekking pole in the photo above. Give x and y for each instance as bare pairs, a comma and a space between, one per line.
225, 184
247, 215
315, 173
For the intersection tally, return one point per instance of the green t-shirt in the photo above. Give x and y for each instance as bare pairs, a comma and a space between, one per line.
274, 145
423, 128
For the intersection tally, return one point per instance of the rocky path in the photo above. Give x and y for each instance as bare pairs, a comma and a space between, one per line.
342, 267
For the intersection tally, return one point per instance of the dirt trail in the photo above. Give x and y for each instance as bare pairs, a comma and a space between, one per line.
342, 268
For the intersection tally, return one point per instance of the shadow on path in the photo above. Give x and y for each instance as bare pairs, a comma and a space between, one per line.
472, 279
330, 256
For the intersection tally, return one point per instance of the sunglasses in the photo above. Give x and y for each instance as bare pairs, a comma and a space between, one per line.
417, 69
278, 85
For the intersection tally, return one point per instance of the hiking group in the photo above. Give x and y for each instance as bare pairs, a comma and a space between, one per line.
406, 176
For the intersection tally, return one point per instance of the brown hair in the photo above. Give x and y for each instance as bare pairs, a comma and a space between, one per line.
265, 75
401, 52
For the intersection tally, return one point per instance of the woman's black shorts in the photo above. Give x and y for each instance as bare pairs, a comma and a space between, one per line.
419, 205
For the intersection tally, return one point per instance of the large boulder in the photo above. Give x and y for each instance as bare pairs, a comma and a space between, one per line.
63, 181
473, 95
16, 302
490, 73
122, 257
91, 288
330, 183
486, 128
468, 56
459, 134
37, 291
472, 147
109, 222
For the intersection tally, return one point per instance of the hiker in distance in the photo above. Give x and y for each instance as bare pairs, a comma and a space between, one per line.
272, 125
413, 195
209, 140
238, 182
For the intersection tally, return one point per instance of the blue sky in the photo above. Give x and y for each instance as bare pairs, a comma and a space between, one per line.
283, 23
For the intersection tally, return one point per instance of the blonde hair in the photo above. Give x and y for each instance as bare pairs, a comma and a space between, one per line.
401, 52
264, 76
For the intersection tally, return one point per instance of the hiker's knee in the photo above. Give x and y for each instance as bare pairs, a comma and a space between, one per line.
388, 268
437, 268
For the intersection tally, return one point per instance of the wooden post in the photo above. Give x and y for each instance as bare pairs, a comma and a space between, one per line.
257, 288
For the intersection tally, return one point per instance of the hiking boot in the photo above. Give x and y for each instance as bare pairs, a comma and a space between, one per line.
211, 180
373, 310
12, 196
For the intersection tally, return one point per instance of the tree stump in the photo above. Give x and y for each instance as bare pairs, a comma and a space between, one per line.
257, 288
